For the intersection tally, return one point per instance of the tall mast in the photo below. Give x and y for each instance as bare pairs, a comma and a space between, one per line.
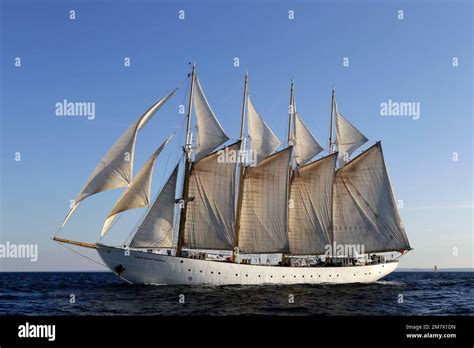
332, 116
242, 162
290, 143
291, 112
187, 166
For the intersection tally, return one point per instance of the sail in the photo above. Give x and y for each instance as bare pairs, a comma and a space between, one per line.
138, 194
264, 215
364, 211
209, 132
115, 170
156, 230
348, 138
306, 146
263, 141
210, 216
310, 207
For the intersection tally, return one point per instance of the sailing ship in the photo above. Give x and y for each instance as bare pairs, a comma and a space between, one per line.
248, 212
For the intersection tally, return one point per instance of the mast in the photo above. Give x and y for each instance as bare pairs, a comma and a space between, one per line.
291, 112
187, 166
242, 163
290, 143
331, 122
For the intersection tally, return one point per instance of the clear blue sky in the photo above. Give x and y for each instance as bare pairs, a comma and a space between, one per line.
406, 60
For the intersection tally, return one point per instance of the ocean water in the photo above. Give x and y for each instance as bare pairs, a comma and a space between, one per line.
401, 293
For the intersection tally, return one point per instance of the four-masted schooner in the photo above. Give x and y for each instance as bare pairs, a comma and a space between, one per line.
252, 214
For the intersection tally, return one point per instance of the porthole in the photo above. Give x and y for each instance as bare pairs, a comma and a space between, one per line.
319, 276
271, 276
259, 275
236, 274
329, 276
338, 275
189, 270
311, 276
219, 273
200, 271
303, 276
182, 261
283, 276
212, 272
294, 276
246, 275
354, 274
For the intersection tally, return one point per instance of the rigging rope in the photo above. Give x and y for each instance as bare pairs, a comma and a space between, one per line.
85, 256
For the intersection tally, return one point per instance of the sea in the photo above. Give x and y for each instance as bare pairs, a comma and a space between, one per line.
102, 293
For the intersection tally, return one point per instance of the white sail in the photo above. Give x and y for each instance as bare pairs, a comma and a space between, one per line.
115, 170
306, 146
210, 215
156, 230
310, 207
348, 138
264, 215
263, 141
364, 211
138, 194
210, 134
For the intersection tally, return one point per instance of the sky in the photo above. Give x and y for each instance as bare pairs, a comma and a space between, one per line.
425, 57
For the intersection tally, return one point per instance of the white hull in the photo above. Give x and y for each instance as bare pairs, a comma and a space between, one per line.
141, 267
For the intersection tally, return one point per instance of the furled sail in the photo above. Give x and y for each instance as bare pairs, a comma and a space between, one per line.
306, 146
364, 211
138, 194
263, 141
310, 207
156, 230
264, 215
348, 138
209, 132
115, 170
210, 216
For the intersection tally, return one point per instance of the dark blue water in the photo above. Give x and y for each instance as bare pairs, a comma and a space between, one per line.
421, 293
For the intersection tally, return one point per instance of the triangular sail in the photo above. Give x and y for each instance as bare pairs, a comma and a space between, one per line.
210, 215
156, 230
310, 207
365, 211
306, 146
138, 194
263, 141
348, 138
210, 134
115, 170
264, 215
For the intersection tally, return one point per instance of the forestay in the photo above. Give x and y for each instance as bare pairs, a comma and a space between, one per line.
348, 138
263, 141
138, 194
210, 134
365, 211
264, 215
210, 215
115, 170
310, 207
306, 146
156, 230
